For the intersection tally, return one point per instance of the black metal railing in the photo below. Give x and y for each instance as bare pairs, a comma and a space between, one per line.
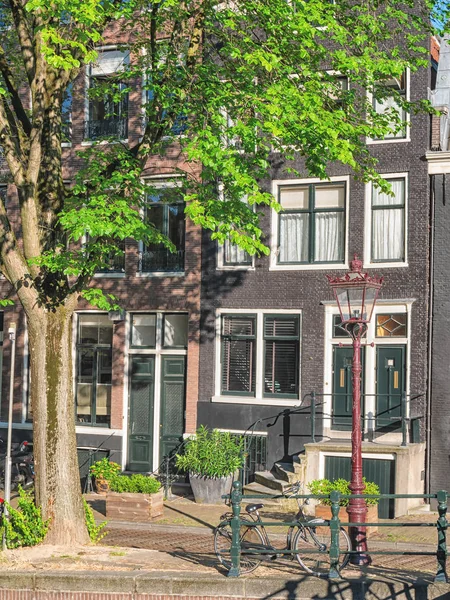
161, 260
377, 423
116, 128
236, 498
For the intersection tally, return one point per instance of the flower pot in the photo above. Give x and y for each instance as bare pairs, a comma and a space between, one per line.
125, 506
101, 485
324, 512
209, 490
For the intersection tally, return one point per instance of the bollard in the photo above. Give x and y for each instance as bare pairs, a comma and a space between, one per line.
335, 526
235, 550
442, 524
404, 421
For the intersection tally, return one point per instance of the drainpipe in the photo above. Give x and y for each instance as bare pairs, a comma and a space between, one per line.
430, 340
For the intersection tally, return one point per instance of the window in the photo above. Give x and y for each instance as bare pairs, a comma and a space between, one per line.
66, 115
94, 369
281, 349
108, 109
388, 223
115, 261
175, 331
143, 331
233, 256
272, 341
311, 226
390, 103
165, 210
391, 325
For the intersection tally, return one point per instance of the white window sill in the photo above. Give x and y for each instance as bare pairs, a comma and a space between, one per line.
310, 267
256, 401
109, 275
103, 142
385, 265
161, 274
4, 424
389, 141
236, 268
98, 430
66, 144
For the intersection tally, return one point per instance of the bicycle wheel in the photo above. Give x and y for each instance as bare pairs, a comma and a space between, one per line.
250, 537
319, 563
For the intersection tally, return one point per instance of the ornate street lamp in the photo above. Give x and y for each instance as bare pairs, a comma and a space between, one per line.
356, 294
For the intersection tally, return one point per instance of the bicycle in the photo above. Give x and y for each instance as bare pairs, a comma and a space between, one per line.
301, 536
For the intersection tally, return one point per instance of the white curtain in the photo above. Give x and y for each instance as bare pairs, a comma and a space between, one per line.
294, 238
329, 242
234, 255
388, 224
390, 104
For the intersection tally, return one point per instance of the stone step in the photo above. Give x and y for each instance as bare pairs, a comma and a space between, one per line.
420, 509
269, 480
266, 493
285, 472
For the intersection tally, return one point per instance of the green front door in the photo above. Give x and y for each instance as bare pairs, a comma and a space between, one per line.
140, 426
173, 386
391, 367
342, 387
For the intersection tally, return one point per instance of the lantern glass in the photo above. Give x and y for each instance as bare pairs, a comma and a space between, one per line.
356, 302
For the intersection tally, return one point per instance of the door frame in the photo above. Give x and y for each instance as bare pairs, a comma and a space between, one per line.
382, 307
158, 352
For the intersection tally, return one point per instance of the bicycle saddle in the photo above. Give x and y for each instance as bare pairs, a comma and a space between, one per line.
252, 507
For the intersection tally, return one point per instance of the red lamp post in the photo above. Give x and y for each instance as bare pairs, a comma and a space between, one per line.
356, 294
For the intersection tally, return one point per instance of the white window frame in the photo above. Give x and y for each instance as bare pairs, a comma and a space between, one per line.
274, 266
370, 342
87, 77
368, 264
162, 181
258, 398
398, 140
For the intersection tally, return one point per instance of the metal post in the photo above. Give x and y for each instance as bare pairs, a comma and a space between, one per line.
167, 492
442, 524
235, 550
335, 526
313, 417
357, 509
8, 461
404, 421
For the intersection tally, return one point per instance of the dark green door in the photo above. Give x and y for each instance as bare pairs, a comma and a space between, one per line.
342, 388
380, 471
390, 386
140, 426
173, 384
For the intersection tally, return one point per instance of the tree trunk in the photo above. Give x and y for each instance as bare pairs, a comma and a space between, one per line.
58, 489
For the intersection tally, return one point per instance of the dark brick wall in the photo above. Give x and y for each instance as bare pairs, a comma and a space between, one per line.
305, 290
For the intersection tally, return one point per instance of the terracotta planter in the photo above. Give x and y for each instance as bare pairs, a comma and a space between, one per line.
125, 506
101, 485
324, 512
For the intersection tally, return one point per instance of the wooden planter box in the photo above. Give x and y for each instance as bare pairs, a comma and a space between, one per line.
134, 507
324, 512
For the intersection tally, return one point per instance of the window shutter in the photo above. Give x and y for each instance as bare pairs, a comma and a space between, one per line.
238, 354
281, 352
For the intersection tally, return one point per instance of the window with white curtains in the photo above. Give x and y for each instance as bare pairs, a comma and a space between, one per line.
391, 104
312, 223
388, 223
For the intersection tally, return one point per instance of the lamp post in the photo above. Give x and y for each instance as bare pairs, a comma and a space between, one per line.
356, 294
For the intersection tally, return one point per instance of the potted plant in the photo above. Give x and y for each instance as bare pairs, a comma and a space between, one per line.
104, 472
211, 458
135, 498
323, 508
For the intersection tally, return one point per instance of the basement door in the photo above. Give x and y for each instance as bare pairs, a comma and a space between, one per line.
342, 388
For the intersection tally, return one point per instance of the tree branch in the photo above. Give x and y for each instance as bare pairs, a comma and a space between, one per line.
25, 38
15, 98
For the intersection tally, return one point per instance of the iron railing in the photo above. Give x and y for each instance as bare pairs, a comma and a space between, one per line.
116, 128
335, 524
161, 260
404, 422
116, 264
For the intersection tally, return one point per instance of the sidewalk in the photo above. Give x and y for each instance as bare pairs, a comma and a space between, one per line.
173, 559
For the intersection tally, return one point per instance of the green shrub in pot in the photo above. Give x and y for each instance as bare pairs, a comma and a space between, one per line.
325, 487
137, 483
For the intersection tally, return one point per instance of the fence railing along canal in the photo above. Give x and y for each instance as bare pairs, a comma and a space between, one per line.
238, 551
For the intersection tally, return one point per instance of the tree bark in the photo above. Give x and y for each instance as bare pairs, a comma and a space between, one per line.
58, 489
